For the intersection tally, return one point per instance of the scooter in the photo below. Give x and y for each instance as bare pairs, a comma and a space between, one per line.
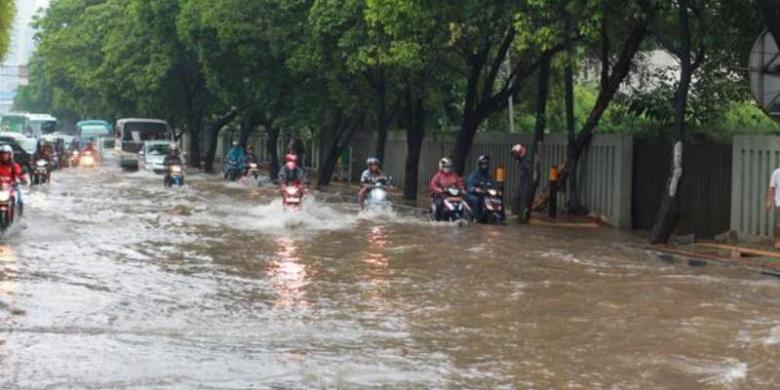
40, 173
292, 197
455, 208
492, 202
174, 177
7, 205
253, 170
231, 171
377, 198
87, 159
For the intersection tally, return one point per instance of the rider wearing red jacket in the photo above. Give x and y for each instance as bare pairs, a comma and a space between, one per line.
444, 178
11, 173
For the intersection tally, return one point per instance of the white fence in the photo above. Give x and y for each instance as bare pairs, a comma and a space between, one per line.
754, 160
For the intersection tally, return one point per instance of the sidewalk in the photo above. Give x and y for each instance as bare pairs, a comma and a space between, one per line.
754, 257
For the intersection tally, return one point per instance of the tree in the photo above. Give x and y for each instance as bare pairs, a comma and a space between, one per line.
7, 11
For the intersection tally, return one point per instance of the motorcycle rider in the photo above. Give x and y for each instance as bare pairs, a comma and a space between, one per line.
235, 158
249, 157
370, 176
479, 180
291, 173
173, 158
444, 178
12, 173
89, 147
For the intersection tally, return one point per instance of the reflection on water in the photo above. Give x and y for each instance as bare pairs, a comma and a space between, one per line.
288, 275
338, 301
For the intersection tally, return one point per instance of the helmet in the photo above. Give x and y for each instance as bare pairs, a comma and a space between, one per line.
445, 162
373, 161
235, 143
483, 159
290, 158
250, 148
6, 149
174, 146
518, 151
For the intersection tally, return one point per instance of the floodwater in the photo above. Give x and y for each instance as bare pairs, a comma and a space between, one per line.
116, 282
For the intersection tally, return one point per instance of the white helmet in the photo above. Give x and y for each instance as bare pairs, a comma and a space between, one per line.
7, 149
445, 162
174, 146
373, 161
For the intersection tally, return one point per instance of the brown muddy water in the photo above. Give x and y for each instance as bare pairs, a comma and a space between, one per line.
115, 282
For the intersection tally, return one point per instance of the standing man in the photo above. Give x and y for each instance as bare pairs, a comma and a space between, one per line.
773, 202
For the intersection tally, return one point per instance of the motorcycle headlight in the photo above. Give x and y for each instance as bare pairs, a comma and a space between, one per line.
5, 196
176, 169
492, 192
41, 163
453, 191
291, 190
252, 165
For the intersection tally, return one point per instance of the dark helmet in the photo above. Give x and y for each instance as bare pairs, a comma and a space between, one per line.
483, 160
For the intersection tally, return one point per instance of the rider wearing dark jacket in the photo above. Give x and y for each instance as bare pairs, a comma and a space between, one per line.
479, 179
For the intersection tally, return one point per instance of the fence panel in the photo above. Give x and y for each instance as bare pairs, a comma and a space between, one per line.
604, 174
754, 158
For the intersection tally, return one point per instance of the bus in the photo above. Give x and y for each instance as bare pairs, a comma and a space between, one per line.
130, 135
42, 124
15, 122
100, 132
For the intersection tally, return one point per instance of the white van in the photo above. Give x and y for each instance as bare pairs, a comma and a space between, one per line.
130, 135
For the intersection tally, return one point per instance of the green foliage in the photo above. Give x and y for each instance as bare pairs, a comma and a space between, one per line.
7, 11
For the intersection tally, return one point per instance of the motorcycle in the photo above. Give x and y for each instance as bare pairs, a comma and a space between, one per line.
377, 198
292, 197
253, 170
174, 177
87, 159
40, 173
454, 205
7, 205
492, 205
231, 171
74, 159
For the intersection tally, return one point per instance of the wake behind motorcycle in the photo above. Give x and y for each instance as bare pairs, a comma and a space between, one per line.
174, 176
40, 172
292, 197
454, 207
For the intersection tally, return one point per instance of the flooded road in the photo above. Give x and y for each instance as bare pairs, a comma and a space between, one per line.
118, 283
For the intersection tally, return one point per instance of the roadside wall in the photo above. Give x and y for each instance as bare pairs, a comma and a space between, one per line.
754, 158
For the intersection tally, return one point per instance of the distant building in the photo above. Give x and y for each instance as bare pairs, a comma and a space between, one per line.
13, 70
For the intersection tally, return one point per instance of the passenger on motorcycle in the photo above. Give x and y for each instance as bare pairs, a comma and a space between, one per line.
12, 173
479, 180
370, 177
291, 173
443, 179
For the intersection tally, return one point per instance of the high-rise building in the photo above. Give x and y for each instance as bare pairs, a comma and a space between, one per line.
13, 69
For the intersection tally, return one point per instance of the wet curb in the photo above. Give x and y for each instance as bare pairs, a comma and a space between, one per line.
670, 256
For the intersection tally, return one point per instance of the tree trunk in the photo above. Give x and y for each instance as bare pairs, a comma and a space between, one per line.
270, 147
531, 165
382, 125
668, 212
607, 92
224, 120
248, 126
574, 205
195, 132
340, 137
770, 12
415, 133
463, 142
